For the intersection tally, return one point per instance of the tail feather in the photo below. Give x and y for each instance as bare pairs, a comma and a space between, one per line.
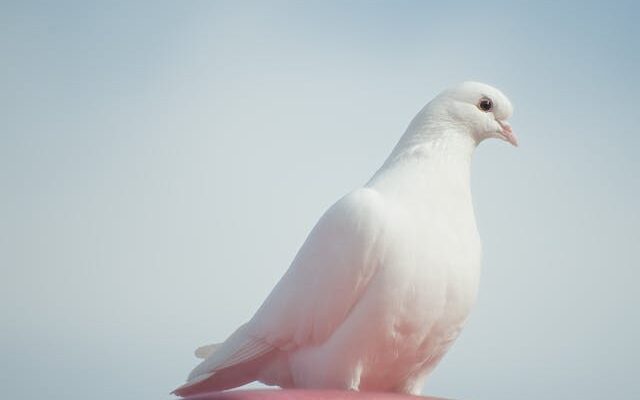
226, 378
237, 361
206, 351
238, 349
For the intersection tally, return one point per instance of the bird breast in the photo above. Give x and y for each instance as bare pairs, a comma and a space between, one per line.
428, 277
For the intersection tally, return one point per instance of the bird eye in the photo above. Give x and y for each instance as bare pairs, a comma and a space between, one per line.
485, 104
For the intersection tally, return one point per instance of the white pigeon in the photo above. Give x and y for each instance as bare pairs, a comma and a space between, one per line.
384, 282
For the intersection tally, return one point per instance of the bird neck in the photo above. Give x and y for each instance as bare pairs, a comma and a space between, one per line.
430, 157
431, 136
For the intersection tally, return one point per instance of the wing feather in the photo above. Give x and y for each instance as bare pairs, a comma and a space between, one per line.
328, 275
323, 283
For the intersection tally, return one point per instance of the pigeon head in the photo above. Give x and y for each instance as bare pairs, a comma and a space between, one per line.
480, 108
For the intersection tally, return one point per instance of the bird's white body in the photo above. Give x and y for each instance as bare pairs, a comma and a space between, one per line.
382, 286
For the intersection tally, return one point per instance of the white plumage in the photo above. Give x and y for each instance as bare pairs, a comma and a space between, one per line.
384, 282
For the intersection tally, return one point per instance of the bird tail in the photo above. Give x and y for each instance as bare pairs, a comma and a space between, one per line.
223, 379
207, 350
237, 361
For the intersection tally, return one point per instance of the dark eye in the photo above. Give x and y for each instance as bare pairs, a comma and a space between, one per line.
485, 104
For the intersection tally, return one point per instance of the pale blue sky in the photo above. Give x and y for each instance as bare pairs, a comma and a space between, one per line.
161, 162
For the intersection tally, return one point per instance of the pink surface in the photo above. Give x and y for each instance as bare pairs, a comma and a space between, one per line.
300, 394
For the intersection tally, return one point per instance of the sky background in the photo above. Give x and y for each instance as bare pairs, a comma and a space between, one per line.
161, 162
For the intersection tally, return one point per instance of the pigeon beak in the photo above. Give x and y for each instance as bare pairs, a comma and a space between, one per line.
507, 133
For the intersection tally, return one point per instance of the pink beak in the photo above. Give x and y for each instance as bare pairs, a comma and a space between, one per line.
507, 133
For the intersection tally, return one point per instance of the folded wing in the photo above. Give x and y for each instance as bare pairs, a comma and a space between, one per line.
326, 279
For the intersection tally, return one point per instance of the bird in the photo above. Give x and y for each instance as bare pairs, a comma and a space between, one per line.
385, 281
